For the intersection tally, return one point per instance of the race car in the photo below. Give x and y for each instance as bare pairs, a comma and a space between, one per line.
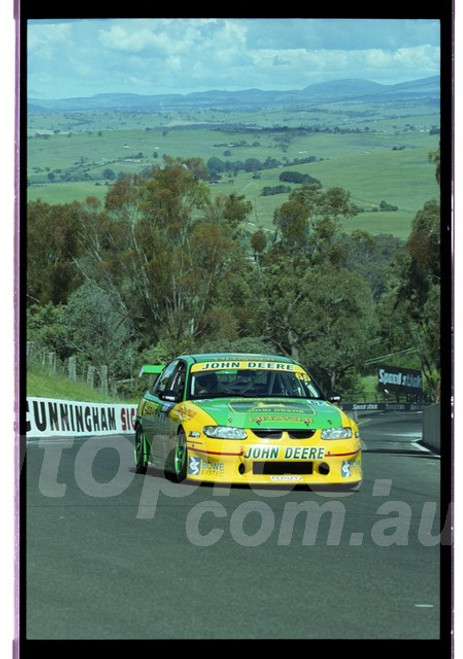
239, 418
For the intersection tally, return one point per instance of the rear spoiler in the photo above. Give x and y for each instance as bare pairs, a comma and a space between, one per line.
151, 369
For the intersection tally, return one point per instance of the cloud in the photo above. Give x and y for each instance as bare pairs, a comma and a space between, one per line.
43, 43
345, 34
84, 57
197, 49
320, 64
174, 36
119, 38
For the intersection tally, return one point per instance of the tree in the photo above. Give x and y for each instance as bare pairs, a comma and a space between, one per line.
326, 243
252, 165
310, 220
194, 275
52, 246
342, 313
323, 316
163, 252
169, 197
416, 298
374, 258
258, 242
332, 202
435, 158
423, 245
298, 177
291, 219
122, 200
46, 328
98, 331
109, 174
215, 167
229, 211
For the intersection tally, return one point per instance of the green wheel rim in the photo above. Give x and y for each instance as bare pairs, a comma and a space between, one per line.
180, 454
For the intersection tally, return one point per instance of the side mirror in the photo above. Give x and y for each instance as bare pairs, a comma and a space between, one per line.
333, 397
170, 396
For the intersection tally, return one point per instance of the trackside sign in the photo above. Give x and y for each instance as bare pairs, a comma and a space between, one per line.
46, 417
400, 380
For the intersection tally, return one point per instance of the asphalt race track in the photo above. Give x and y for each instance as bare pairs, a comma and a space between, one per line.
110, 554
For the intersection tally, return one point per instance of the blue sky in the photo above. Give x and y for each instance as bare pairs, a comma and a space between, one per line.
83, 57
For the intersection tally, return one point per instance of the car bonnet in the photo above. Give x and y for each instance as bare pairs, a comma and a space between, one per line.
271, 412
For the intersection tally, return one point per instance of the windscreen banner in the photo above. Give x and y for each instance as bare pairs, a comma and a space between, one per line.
47, 417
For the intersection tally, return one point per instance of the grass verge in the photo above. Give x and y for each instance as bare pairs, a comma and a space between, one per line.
61, 388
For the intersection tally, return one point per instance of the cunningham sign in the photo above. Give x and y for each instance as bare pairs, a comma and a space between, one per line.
46, 417
400, 380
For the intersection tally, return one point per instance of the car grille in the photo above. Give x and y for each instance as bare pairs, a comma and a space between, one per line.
268, 434
301, 434
262, 433
281, 468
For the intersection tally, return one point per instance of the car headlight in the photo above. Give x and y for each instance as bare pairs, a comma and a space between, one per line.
337, 433
224, 432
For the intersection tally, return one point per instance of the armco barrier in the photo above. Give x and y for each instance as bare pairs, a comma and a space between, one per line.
431, 417
47, 417
431, 426
381, 407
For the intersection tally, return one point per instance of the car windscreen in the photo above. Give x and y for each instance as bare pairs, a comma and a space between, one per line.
275, 379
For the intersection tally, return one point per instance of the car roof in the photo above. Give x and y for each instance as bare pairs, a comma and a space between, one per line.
236, 356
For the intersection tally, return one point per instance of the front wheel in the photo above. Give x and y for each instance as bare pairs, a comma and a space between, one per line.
180, 458
139, 451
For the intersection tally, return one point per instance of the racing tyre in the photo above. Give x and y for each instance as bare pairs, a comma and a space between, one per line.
180, 458
139, 451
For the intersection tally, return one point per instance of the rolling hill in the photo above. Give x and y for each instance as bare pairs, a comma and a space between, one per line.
319, 93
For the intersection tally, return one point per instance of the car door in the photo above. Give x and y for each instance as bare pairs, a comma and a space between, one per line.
155, 411
168, 391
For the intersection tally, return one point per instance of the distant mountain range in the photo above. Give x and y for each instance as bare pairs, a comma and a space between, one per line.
352, 89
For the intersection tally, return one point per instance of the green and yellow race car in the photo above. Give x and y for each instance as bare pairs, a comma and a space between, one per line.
238, 418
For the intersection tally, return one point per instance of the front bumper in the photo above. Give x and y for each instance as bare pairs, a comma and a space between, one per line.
225, 461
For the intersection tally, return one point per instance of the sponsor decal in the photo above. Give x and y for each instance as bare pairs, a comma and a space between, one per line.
304, 453
280, 418
46, 417
197, 466
272, 410
400, 379
365, 406
216, 467
183, 413
351, 464
267, 366
150, 408
262, 453
269, 452
345, 469
194, 465
401, 407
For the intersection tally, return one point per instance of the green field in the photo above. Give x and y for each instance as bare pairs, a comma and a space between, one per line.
381, 158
